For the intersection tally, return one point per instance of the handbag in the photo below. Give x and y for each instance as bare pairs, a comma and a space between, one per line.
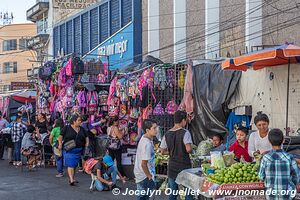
68, 146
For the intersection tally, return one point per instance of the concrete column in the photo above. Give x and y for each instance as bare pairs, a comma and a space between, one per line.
179, 30
253, 24
153, 28
212, 28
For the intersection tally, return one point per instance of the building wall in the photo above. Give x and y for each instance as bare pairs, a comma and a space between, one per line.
144, 27
286, 26
166, 37
232, 28
195, 30
16, 31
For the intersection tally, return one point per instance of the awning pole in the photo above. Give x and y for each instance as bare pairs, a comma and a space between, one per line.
287, 100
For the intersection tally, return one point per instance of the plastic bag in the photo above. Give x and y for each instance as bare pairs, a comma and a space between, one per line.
228, 158
217, 160
204, 147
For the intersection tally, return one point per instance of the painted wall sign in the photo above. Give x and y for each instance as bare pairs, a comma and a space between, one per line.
73, 4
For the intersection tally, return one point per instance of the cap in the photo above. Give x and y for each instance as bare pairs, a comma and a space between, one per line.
108, 160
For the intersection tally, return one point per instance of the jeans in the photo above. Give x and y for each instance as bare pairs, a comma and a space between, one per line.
174, 187
113, 172
117, 154
59, 164
59, 161
145, 185
2, 144
17, 151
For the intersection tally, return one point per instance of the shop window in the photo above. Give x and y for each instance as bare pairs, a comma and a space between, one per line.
9, 45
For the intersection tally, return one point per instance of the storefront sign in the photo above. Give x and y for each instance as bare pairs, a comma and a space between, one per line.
73, 4
117, 50
21, 85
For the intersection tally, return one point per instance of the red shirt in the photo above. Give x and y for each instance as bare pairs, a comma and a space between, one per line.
239, 151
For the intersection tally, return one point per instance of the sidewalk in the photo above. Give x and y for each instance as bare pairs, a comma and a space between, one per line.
43, 185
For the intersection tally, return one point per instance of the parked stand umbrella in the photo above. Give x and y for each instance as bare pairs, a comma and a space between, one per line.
280, 55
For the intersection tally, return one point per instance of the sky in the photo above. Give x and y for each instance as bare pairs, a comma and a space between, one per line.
18, 7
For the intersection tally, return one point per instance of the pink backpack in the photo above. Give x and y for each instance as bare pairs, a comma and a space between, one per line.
112, 90
89, 165
81, 99
69, 67
171, 107
92, 99
62, 77
158, 110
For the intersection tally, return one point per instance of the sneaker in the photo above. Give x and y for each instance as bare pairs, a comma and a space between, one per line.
59, 175
14, 163
19, 163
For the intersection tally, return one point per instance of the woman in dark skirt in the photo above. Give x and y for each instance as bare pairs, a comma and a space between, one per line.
73, 132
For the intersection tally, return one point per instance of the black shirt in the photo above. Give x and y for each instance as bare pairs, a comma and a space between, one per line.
42, 126
68, 134
99, 166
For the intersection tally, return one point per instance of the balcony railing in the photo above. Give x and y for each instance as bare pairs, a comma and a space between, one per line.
36, 12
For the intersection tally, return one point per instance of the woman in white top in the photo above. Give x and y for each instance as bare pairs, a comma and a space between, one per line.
258, 141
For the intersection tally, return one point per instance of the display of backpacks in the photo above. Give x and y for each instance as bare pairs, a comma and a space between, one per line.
77, 66
47, 70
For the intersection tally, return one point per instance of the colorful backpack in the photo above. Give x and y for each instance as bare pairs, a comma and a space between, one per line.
89, 165
113, 111
158, 110
171, 77
103, 96
101, 78
171, 107
92, 100
70, 92
85, 78
134, 113
62, 77
147, 112
160, 78
181, 79
112, 90
69, 67
123, 111
46, 71
67, 102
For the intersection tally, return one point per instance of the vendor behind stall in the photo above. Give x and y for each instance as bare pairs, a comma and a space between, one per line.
240, 147
218, 143
258, 141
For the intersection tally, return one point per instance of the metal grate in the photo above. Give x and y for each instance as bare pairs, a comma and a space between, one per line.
166, 121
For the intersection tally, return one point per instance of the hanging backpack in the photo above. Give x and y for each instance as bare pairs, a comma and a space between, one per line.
123, 111
112, 90
62, 77
89, 165
77, 66
181, 79
134, 113
69, 67
171, 77
46, 71
158, 110
103, 96
85, 78
92, 100
81, 99
171, 107
160, 78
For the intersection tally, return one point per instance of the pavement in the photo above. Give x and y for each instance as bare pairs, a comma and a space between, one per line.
42, 184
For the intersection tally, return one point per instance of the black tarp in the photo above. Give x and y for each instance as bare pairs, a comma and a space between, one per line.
212, 90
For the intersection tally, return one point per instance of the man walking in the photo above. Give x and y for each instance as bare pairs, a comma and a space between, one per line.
16, 136
177, 143
144, 168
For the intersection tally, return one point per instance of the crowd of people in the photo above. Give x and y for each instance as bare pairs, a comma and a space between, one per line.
74, 145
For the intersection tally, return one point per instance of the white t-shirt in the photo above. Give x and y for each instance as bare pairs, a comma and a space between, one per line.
187, 139
145, 151
258, 143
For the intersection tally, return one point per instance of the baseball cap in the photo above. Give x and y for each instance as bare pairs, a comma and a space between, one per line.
108, 160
